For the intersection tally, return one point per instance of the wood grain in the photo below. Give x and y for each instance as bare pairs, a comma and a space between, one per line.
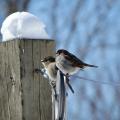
24, 95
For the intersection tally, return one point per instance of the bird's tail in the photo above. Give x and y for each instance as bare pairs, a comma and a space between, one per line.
88, 65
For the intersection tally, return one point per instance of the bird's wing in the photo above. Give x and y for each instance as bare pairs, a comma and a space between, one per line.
74, 60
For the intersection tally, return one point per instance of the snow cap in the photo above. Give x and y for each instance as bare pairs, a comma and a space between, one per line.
23, 25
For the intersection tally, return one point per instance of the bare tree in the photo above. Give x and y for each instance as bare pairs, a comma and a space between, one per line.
16, 5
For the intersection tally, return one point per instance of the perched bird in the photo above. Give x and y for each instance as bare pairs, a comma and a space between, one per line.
50, 67
68, 63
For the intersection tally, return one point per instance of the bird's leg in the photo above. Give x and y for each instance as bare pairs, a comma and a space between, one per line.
67, 75
53, 86
53, 83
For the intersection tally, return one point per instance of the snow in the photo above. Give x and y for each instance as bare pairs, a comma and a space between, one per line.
23, 25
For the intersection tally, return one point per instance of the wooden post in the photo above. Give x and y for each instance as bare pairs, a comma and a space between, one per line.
24, 95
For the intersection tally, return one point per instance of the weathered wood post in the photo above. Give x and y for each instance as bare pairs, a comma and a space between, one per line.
24, 95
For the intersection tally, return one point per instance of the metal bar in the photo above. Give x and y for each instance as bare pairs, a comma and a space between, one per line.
61, 97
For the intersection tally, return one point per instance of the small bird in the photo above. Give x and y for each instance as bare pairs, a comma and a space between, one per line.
68, 63
50, 67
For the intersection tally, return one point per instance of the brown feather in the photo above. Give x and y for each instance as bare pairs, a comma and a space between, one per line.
75, 61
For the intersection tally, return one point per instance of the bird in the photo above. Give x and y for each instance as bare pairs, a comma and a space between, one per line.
50, 67
68, 63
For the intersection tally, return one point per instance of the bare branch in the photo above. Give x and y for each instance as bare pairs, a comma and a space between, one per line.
25, 4
76, 11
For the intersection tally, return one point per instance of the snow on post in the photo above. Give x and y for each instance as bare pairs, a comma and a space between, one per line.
23, 93
23, 25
